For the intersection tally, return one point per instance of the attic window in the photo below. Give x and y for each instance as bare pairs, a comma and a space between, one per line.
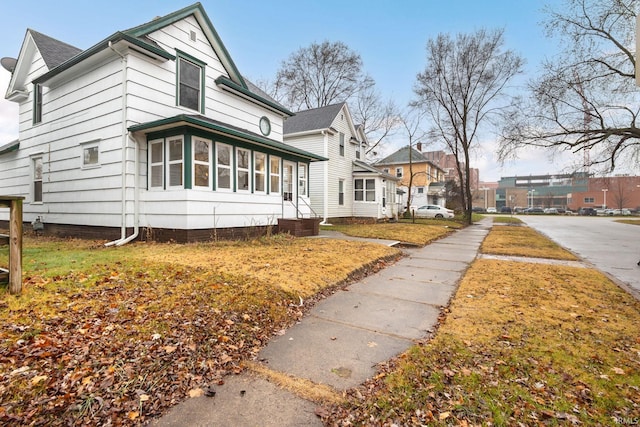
192, 35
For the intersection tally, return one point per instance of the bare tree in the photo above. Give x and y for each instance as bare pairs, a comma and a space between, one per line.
462, 86
411, 120
379, 118
329, 73
586, 100
319, 75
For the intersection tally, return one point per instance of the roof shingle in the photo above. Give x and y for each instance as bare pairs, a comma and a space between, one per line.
313, 119
54, 52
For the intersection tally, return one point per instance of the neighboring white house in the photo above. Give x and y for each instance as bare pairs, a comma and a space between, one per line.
345, 186
153, 129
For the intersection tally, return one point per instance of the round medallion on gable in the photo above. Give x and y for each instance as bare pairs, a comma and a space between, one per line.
265, 126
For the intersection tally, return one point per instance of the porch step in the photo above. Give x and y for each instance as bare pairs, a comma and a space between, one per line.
300, 227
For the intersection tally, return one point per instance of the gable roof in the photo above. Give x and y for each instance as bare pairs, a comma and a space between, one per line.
200, 15
60, 56
54, 52
402, 156
313, 119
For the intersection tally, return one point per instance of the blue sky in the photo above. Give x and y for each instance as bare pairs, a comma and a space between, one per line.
389, 35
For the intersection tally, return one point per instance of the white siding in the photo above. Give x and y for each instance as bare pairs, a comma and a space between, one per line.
87, 107
325, 176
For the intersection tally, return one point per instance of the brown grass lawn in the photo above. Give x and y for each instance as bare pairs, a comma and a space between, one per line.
419, 233
522, 241
521, 344
122, 334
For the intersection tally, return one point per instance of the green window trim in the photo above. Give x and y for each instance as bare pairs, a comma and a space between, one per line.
188, 59
188, 166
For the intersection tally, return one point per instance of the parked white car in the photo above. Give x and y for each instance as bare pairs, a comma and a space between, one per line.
491, 210
617, 212
433, 211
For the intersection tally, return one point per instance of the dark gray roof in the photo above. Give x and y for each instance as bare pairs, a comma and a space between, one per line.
313, 119
54, 52
402, 156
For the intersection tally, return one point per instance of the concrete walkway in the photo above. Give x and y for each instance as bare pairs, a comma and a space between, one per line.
343, 338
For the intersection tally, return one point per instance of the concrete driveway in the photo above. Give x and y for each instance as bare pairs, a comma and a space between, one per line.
612, 247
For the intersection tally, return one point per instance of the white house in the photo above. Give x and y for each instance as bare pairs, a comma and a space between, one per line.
152, 131
345, 186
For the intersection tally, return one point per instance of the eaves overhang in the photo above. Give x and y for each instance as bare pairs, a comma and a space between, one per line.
368, 169
330, 131
134, 43
209, 125
9, 147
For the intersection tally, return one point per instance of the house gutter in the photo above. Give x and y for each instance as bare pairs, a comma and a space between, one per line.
125, 138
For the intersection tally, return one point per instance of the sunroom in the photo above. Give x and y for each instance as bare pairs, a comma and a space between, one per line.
208, 178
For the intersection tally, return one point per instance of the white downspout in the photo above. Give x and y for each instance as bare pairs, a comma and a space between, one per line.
325, 184
125, 137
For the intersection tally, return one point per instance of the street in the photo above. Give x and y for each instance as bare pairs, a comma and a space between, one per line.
612, 247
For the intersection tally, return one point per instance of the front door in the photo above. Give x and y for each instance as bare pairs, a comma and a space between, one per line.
290, 199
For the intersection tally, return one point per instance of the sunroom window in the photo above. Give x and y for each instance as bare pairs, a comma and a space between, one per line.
223, 166
201, 163
242, 168
259, 175
156, 164
175, 161
365, 190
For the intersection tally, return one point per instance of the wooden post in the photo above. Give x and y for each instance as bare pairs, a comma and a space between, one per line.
14, 203
15, 246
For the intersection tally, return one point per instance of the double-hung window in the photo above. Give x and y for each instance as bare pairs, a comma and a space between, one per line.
243, 162
156, 164
274, 174
341, 192
37, 179
175, 163
342, 144
259, 174
223, 166
201, 163
190, 83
